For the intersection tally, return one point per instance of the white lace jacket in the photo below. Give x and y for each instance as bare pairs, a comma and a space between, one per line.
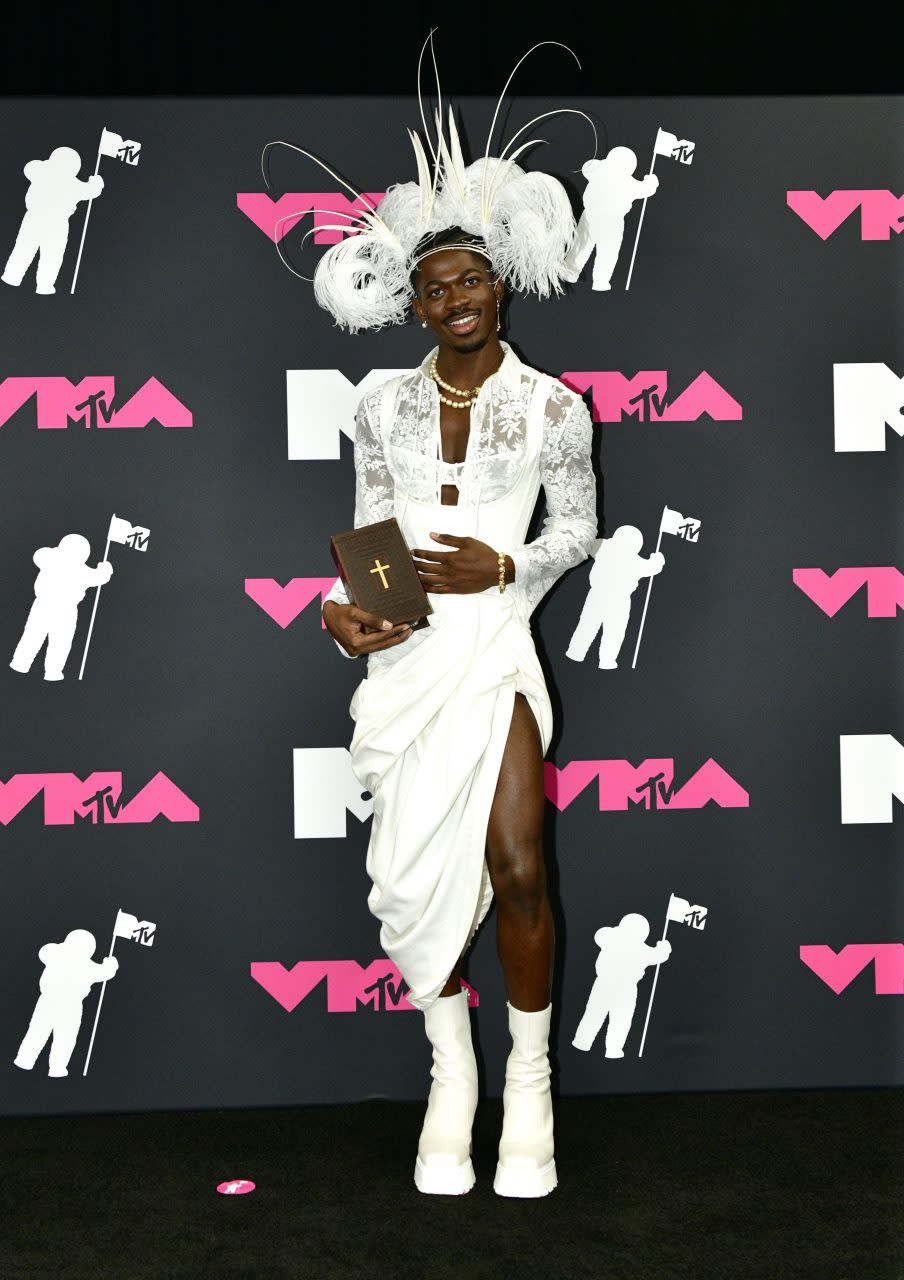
491, 466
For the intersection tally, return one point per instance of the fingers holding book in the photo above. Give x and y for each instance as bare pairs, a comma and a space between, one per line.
361, 632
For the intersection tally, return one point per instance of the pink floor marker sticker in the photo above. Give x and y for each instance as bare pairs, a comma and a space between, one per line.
237, 1187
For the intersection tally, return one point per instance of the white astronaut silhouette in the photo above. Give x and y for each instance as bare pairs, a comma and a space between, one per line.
50, 201
610, 192
69, 973
624, 955
63, 579
614, 575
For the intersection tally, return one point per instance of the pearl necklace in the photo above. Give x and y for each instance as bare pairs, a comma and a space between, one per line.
466, 398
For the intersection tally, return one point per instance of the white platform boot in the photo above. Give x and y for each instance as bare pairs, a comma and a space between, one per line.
527, 1165
443, 1165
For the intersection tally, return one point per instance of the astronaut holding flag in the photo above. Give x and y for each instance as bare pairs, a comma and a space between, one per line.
64, 576
608, 197
615, 575
624, 957
69, 973
129, 535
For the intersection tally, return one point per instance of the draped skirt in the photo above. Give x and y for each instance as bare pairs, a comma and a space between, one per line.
431, 722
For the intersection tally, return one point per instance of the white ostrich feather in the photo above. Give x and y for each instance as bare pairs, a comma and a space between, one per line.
523, 217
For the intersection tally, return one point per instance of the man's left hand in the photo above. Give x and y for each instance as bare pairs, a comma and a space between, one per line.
471, 566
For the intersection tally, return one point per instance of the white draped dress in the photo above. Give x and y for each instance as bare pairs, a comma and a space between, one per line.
433, 713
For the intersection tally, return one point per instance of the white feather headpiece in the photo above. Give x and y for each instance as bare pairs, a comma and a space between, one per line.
524, 220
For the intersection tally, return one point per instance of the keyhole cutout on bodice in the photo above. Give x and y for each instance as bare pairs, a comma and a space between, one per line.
454, 430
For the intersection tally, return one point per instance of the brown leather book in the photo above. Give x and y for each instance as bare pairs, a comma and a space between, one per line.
374, 562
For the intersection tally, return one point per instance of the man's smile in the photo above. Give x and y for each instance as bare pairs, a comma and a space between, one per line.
464, 323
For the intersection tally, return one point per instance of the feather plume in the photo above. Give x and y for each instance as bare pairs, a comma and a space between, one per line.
524, 218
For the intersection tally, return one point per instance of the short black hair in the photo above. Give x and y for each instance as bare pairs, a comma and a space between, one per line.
436, 240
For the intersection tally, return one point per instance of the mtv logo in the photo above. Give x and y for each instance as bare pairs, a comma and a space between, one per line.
650, 785
321, 406
324, 790
872, 775
868, 398
91, 403
646, 397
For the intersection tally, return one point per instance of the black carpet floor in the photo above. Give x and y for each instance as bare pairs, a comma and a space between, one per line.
722, 1186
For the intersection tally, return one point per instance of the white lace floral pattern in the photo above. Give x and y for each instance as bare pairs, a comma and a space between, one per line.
494, 460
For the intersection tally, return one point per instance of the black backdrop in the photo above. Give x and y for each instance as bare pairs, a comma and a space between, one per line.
187, 675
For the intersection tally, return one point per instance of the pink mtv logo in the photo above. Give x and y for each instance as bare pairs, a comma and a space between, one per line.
649, 785
349, 985
90, 403
327, 206
839, 969
646, 398
884, 589
284, 604
97, 800
881, 212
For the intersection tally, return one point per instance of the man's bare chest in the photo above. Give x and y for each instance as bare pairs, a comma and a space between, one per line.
454, 429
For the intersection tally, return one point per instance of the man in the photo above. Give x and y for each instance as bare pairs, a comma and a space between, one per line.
457, 296
452, 720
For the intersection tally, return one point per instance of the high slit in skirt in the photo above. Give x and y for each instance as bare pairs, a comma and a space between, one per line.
432, 719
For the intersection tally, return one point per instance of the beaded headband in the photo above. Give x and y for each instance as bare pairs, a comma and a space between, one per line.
441, 248
523, 218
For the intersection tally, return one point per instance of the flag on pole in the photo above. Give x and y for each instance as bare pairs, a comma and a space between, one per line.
130, 535
669, 144
687, 527
120, 148
684, 913
129, 926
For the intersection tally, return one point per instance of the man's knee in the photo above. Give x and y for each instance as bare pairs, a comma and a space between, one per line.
519, 878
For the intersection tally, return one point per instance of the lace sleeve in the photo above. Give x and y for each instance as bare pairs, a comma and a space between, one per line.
569, 486
373, 483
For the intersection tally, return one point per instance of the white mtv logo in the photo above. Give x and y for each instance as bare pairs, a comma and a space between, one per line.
868, 398
324, 790
321, 404
872, 774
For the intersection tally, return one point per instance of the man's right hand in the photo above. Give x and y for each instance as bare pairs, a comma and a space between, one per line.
360, 632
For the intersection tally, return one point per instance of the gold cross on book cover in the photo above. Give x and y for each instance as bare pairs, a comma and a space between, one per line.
374, 562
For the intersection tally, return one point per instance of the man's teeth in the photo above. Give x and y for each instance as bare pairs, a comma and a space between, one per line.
461, 321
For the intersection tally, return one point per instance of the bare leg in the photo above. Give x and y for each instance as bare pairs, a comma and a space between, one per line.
525, 933
453, 986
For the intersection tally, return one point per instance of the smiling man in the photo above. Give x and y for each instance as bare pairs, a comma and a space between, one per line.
452, 720
450, 739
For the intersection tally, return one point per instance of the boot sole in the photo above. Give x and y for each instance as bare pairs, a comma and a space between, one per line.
454, 1181
525, 1183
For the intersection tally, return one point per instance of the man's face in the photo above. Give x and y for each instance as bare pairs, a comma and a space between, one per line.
457, 296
